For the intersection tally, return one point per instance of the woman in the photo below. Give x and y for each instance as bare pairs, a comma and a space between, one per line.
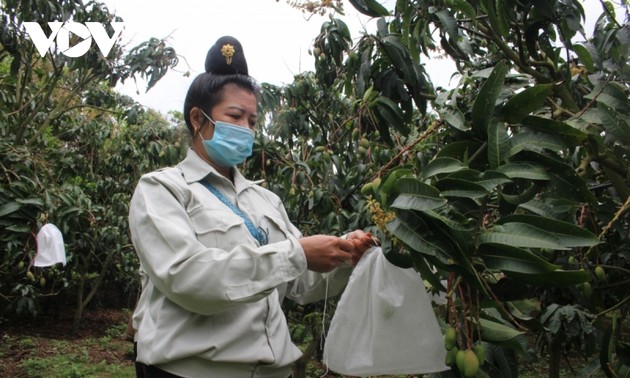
217, 252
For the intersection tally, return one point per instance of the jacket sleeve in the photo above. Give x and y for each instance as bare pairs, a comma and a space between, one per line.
200, 279
311, 286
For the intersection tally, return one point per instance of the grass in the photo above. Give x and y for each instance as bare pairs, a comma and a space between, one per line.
74, 366
103, 354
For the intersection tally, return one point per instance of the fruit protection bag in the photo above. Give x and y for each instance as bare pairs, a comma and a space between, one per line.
384, 323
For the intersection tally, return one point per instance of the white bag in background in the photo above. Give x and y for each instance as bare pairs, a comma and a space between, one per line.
50, 246
384, 323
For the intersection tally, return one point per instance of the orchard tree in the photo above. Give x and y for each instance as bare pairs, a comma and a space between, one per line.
71, 151
508, 193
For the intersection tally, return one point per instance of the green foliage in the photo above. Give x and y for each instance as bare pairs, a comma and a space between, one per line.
71, 150
510, 187
302, 155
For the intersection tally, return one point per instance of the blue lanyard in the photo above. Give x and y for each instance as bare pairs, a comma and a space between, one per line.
258, 233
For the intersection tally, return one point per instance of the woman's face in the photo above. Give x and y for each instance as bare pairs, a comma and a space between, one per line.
238, 107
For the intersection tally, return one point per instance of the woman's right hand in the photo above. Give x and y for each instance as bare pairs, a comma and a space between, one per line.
324, 253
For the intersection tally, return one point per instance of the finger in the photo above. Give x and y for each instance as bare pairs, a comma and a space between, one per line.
356, 234
346, 245
344, 256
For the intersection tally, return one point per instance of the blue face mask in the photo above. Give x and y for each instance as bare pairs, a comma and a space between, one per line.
230, 144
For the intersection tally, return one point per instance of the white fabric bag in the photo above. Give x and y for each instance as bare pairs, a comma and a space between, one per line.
50, 247
384, 323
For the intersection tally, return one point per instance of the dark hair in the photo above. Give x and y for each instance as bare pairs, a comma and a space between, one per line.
222, 67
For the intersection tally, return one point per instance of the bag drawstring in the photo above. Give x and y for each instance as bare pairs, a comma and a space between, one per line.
322, 338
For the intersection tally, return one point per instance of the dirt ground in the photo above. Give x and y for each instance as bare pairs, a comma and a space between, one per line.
43, 331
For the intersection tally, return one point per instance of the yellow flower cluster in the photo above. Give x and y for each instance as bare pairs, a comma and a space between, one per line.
379, 216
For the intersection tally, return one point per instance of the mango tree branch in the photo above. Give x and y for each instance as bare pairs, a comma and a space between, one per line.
48, 88
622, 210
561, 90
432, 128
61, 105
512, 55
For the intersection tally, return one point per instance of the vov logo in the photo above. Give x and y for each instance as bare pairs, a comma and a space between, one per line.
62, 31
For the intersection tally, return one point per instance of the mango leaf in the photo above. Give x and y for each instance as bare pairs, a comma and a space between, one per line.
408, 235
427, 272
464, 45
483, 107
396, 255
536, 142
498, 143
525, 102
452, 49
455, 118
488, 179
452, 222
406, 10
554, 127
466, 174
521, 235
370, 8
584, 57
530, 171
416, 195
615, 123
442, 165
610, 95
525, 195
557, 278
31, 201
503, 15
8, 208
449, 23
450, 187
492, 179
466, 8
618, 91
569, 235
570, 185
507, 258
538, 207
19, 228
497, 332
391, 113
497, 20
459, 150
525, 309
399, 56
564, 180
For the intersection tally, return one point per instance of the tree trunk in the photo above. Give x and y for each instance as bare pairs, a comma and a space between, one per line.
299, 368
78, 312
554, 358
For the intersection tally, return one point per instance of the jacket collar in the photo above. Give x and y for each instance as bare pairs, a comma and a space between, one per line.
196, 169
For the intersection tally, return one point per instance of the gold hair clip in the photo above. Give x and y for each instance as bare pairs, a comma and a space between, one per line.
227, 51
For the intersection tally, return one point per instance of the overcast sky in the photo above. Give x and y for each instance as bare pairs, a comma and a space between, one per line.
276, 39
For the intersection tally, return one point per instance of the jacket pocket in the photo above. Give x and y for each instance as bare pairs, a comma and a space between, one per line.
275, 228
219, 229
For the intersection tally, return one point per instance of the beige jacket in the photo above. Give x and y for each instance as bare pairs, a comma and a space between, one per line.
210, 302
